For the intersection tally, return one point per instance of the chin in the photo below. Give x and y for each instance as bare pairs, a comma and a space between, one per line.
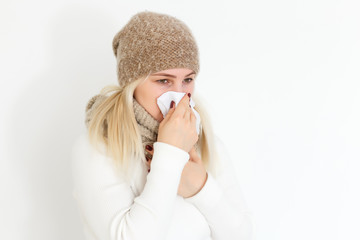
159, 117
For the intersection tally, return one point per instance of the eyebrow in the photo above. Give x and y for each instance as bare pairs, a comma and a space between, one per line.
169, 75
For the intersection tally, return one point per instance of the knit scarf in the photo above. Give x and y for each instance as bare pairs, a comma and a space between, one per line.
147, 124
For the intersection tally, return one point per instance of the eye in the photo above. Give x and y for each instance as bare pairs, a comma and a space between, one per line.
162, 80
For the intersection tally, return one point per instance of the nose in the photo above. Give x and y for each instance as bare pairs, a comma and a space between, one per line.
178, 87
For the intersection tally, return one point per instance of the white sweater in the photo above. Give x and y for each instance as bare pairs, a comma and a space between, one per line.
150, 208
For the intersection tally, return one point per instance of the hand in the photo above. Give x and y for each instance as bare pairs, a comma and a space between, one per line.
178, 128
193, 176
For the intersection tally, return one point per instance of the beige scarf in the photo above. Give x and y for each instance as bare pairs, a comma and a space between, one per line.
147, 124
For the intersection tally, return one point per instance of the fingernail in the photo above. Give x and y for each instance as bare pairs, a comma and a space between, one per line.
148, 170
148, 147
147, 159
189, 94
172, 104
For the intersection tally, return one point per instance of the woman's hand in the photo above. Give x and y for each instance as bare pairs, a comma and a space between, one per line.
193, 177
178, 128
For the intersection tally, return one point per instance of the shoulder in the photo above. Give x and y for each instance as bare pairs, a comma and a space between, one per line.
83, 152
91, 168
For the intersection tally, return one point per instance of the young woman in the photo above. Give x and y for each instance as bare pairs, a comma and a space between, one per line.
140, 175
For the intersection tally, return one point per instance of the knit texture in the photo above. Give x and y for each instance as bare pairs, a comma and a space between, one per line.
147, 124
151, 42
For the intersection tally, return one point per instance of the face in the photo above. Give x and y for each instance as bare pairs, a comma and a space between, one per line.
176, 79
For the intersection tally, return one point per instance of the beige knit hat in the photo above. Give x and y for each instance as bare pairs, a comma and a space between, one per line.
152, 42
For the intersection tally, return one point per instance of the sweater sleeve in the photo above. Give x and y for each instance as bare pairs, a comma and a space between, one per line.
222, 203
108, 206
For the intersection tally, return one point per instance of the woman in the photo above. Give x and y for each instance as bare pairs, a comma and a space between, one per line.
140, 175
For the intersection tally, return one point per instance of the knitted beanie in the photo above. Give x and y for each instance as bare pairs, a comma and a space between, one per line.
151, 42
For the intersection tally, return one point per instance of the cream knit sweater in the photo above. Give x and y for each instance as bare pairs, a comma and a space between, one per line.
149, 208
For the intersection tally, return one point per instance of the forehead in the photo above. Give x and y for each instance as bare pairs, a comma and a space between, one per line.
174, 72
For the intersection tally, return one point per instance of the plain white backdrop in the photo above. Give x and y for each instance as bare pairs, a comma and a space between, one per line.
282, 84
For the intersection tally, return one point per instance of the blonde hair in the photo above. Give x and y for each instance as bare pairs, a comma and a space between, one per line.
114, 126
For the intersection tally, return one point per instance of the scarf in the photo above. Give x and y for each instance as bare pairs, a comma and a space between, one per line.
147, 124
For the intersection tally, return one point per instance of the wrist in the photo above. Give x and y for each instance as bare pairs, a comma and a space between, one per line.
202, 185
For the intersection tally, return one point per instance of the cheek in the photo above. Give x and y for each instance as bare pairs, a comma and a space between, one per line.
149, 93
190, 87
158, 91
152, 94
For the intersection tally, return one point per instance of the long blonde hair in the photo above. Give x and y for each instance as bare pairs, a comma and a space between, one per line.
114, 126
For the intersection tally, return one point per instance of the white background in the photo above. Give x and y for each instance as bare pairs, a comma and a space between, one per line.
282, 84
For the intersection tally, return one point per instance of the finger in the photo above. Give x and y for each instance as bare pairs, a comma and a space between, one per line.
150, 165
148, 157
148, 162
149, 151
149, 148
193, 118
188, 114
169, 114
182, 106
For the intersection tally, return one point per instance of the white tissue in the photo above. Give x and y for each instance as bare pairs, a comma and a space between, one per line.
164, 104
